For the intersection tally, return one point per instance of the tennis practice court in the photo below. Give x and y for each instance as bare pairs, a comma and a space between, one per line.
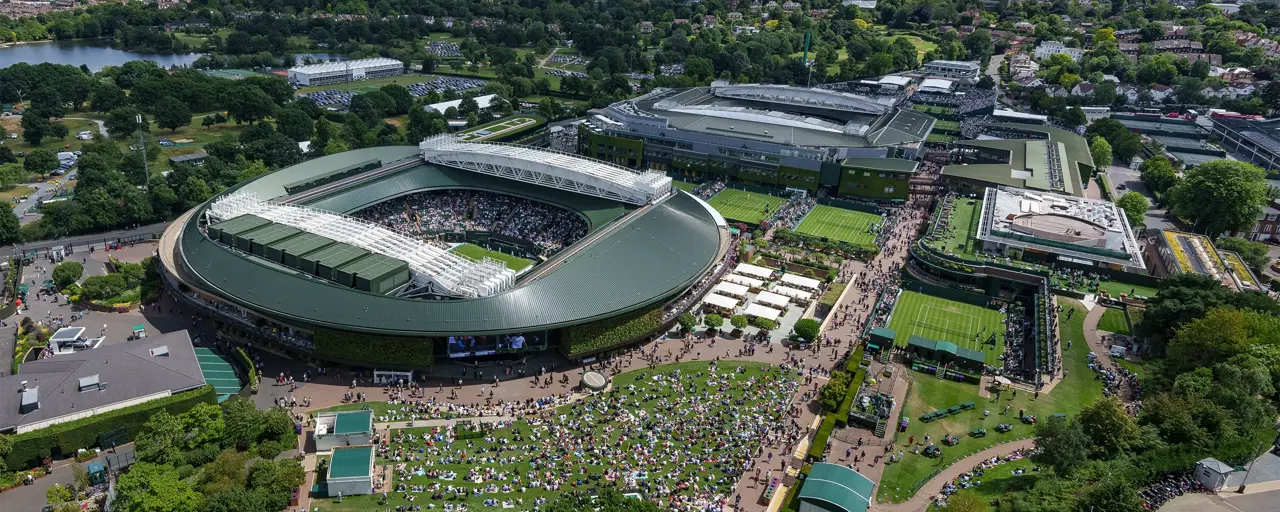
936, 318
840, 224
744, 206
219, 373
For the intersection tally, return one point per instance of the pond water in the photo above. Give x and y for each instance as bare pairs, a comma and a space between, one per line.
96, 54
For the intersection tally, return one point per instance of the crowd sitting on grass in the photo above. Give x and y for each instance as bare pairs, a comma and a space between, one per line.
1118, 381
425, 214
973, 477
680, 436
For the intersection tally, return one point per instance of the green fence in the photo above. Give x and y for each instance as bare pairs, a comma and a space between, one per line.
947, 293
850, 205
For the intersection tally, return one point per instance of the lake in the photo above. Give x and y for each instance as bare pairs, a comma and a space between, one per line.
96, 54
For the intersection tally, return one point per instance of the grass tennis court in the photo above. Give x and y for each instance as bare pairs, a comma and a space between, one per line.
933, 109
943, 124
497, 129
744, 206
840, 224
476, 252
939, 319
684, 185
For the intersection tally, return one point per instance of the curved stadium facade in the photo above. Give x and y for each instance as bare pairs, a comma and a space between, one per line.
280, 260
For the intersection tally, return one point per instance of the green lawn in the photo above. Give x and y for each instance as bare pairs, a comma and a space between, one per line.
500, 128
70, 143
840, 224
16, 191
1113, 321
731, 401
744, 206
684, 185
928, 393
1115, 288
940, 138
959, 239
943, 124
939, 319
476, 252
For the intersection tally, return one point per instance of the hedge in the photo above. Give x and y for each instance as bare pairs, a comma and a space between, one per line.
832, 295
788, 236
841, 415
612, 332
63, 439
249, 369
374, 350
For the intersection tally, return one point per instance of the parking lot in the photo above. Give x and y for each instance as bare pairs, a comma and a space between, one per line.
339, 97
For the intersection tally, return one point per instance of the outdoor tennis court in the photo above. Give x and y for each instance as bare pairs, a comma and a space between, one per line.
498, 128
939, 319
840, 224
744, 206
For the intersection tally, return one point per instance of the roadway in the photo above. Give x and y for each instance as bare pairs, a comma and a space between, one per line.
1118, 176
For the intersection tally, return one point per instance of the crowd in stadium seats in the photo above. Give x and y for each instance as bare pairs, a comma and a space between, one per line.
971, 100
791, 213
1017, 360
708, 190
425, 214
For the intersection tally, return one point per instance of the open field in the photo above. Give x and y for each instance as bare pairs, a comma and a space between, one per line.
499, 128
939, 319
567, 451
476, 252
840, 224
13, 124
1113, 321
928, 393
932, 109
16, 191
744, 206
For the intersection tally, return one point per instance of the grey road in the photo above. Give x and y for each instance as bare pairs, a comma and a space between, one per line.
1119, 177
82, 242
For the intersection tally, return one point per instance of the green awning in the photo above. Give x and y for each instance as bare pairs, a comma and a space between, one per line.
139, 327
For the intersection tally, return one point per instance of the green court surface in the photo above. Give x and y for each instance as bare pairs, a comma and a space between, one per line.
497, 129
939, 319
476, 252
840, 224
744, 206
684, 185
218, 372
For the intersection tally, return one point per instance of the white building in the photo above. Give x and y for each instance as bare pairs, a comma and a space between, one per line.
1092, 114
347, 428
1048, 48
345, 71
481, 101
953, 69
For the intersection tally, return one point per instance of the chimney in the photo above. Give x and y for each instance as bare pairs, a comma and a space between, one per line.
24, 385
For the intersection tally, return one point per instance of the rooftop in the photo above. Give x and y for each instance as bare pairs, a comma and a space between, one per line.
326, 67
353, 422
1264, 134
1048, 159
1195, 253
882, 164
120, 372
351, 462
1053, 223
840, 487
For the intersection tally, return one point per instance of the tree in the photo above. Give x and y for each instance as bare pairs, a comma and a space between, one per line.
66, 273
10, 227
226, 472
247, 104
277, 478
149, 487
687, 322
162, 439
738, 321
713, 321
1253, 253
1074, 116
123, 121
1221, 334
1135, 207
1063, 445
106, 96
967, 500
252, 170
11, 174
1101, 151
765, 323
40, 161
1221, 196
58, 494
1110, 426
204, 425
244, 422
295, 124
808, 328
193, 192
1158, 174
986, 82
46, 103
6, 154
171, 113
35, 129
1112, 494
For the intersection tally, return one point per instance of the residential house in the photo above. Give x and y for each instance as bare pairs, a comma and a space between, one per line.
1129, 35
1177, 46
645, 27
1028, 81
1212, 58
680, 21
1025, 26
1057, 91
1232, 75
1243, 90
448, 21
1047, 48
1021, 64
1111, 78
1160, 91
1083, 89
745, 29
1267, 227
818, 14
790, 6
709, 20
1128, 48
1218, 91
734, 15
1130, 93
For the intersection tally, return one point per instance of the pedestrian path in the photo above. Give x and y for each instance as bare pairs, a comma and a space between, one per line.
219, 373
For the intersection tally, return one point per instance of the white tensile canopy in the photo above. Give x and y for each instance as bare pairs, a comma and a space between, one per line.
763, 312
743, 280
772, 299
730, 289
753, 271
721, 301
799, 295
801, 282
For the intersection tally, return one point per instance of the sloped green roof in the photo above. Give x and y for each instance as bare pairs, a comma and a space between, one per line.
839, 486
241, 224
881, 164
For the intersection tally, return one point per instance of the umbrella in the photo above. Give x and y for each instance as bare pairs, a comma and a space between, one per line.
1004, 381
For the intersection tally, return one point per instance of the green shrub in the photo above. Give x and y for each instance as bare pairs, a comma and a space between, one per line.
249, 369
375, 350
609, 333
64, 439
272, 449
765, 323
67, 273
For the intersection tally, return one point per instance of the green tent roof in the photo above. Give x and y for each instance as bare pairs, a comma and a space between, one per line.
926, 343
348, 462
353, 422
839, 486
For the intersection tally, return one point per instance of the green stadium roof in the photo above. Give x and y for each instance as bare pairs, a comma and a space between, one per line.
1028, 155
353, 422
349, 462
374, 266
655, 255
837, 486
241, 224
269, 234
301, 244
336, 255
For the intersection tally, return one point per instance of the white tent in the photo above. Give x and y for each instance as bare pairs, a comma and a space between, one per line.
799, 295
772, 299
763, 312
753, 271
743, 280
721, 301
730, 289
801, 282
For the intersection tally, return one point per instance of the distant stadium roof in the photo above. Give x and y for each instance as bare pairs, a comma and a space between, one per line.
882, 164
326, 67
836, 487
799, 96
1051, 161
936, 85
1013, 114
900, 81
482, 101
